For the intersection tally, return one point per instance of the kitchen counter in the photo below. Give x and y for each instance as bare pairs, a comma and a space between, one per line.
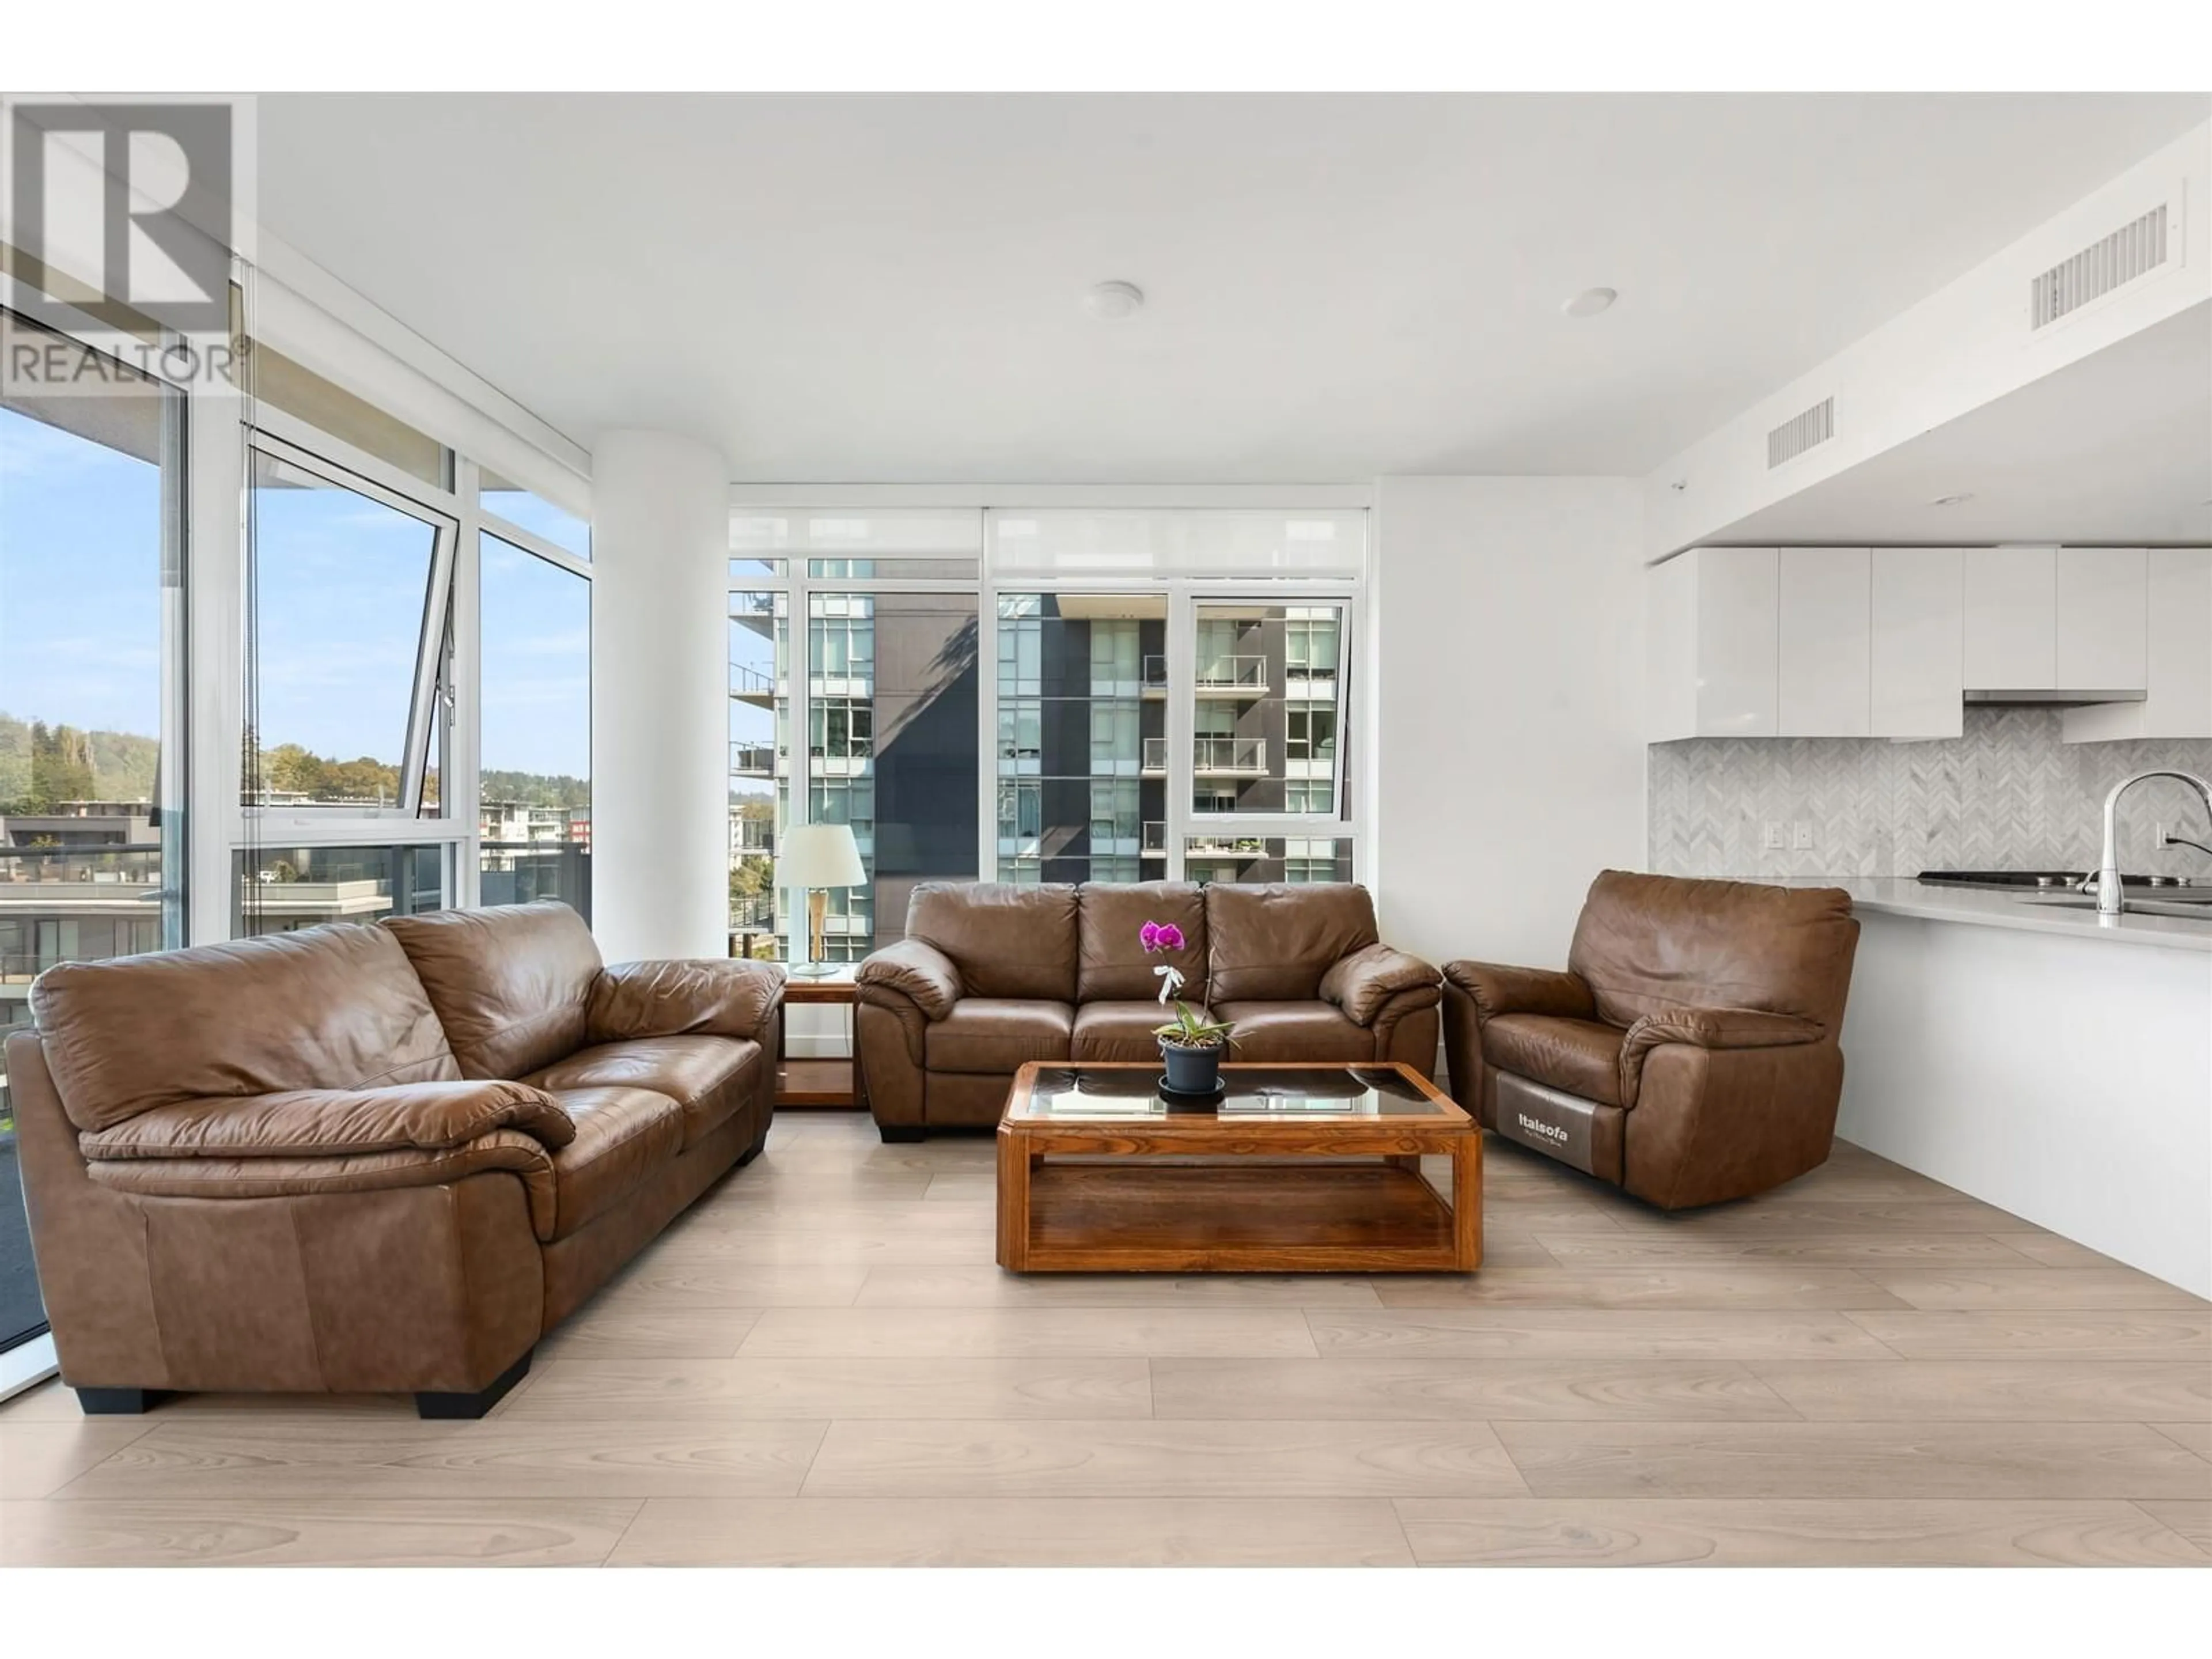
2008, 1049
1984, 907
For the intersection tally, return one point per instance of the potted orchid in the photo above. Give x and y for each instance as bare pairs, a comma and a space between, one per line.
1190, 1043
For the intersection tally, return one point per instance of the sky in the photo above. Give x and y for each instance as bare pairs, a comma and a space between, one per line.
342, 587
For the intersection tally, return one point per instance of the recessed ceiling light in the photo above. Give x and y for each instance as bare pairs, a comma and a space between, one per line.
1589, 302
1952, 501
1110, 301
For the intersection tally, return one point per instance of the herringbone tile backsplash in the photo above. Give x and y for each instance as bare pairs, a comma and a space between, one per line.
2006, 795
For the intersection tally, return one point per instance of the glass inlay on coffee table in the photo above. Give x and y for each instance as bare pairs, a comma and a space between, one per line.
1290, 1168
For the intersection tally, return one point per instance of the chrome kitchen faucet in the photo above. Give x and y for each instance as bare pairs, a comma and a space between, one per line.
2111, 898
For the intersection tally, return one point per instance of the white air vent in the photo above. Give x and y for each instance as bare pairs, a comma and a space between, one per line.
2133, 250
1793, 437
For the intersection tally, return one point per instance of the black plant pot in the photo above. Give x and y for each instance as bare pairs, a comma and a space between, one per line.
1193, 1071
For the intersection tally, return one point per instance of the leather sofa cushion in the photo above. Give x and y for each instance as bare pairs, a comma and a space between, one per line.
710, 997
999, 1034
708, 1077
1006, 941
1648, 945
1290, 1033
1273, 943
1117, 1031
1577, 1055
624, 1137
512, 985
333, 1007
1111, 965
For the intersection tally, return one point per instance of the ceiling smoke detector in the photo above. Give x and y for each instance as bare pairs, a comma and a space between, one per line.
1111, 301
1958, 500
1590, 301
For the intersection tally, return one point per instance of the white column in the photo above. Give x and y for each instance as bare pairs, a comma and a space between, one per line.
660, 517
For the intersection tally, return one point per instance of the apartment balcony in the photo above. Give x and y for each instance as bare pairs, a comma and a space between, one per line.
754, 686
1210, 758
1239, 847
1310, 684
1243, 677
1228, 757
753, 760
755, 611
753, 838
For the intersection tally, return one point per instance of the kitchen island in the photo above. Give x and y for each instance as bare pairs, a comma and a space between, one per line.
2044, 1059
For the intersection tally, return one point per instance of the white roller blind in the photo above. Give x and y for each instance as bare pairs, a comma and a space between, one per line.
851, 533
1197, 542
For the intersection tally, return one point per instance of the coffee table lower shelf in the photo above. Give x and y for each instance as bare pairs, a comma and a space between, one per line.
1286, 1218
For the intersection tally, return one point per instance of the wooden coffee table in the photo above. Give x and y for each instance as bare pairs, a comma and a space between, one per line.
1293, 1168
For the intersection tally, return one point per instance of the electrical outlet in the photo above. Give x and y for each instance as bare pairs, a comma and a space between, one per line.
1775, 841
1800, 836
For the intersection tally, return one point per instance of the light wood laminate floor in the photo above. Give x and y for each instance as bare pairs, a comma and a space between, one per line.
820, 1364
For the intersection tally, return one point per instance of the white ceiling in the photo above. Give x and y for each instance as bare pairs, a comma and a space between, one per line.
887, 288
2116, 447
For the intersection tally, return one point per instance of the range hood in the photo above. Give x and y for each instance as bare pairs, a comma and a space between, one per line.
2050, 699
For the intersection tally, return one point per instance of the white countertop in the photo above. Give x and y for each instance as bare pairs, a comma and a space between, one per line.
1985, 908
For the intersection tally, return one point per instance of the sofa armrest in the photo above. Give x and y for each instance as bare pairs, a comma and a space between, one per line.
1708, 1028
227, 1176
919, 971
1496, 990
707, 996
1362, 982
333, 1123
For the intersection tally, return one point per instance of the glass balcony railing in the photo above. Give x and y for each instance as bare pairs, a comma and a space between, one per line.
1243, 675
753, 760
517, 872
1156, 839
1229, 756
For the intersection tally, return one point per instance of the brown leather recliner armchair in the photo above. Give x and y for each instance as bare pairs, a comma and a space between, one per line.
1689, 1053
371, 1159
992, 975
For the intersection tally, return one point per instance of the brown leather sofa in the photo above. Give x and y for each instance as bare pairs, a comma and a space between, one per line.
361, 1159
1688, 1054
990, 977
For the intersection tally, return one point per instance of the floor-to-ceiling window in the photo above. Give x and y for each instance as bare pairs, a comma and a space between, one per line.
92, 675
860, 634
1082, 729
1163, 694
534, 752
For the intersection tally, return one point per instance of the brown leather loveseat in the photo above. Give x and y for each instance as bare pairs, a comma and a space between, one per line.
1689, 1053
367, 1158
992, 975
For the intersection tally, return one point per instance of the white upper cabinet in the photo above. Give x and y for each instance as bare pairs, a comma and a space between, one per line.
1917, 660
1714, 616
2103, 595
2012, 619
1824, 684
2178, 657
1890, 641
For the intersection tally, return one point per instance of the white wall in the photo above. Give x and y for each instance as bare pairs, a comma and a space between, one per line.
660, 830
1509, 628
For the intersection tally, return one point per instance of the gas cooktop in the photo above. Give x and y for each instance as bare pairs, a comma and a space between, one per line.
2036, 878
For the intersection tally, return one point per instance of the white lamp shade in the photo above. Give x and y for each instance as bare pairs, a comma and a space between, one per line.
819, 855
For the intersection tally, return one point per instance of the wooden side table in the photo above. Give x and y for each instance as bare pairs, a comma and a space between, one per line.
826, 1083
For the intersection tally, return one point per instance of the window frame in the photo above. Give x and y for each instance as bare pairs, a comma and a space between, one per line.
428, 701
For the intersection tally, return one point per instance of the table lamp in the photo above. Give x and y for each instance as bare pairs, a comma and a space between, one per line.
810, 857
